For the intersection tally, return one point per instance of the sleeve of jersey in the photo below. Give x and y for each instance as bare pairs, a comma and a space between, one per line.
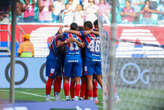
64, 36
82, 35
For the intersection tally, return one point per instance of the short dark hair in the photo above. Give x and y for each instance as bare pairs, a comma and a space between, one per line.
74, 26
88, 24
95, 23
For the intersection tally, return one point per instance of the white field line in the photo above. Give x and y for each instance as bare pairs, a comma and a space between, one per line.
27, 93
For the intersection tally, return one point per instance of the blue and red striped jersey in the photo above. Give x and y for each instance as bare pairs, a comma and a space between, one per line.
72, 48
53, 47
92, 44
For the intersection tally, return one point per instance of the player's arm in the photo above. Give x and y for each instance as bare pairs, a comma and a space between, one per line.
73, 32
92, 31
95, 32
80, 44
63, 42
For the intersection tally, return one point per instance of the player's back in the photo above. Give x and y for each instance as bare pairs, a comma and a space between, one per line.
72, 49
53, 51
92, 50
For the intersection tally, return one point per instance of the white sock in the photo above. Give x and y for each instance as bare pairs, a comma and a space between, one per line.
91, 98
67, 97
76, 98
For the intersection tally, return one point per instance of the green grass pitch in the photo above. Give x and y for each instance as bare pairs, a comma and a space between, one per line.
22, 94
131, 99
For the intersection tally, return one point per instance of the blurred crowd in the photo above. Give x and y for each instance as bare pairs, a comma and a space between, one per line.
61, 11
4, 13
78, 11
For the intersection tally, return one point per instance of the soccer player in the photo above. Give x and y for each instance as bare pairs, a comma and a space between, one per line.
92, 55
54, 65
73, 62
116, 96
95, 98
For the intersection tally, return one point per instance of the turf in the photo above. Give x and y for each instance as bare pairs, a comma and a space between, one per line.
131, 99
20, 96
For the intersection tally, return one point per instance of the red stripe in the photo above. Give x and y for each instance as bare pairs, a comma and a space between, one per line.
88, 39
92, 35
69, 35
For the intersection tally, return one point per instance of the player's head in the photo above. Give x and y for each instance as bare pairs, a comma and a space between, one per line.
74, 26
88, 25
96, 24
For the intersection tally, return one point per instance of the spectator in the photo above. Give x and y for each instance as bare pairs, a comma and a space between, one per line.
147, 13
91, 10
58, 7
45, 10
79, 15
128, 14
28, 9
137, 5
3, 14
26, 48
161, 9
84, 2
68, 13
19, 10
104, 11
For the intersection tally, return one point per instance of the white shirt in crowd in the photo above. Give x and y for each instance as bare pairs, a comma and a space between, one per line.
58, 7
79, 17
68, 15
91, 12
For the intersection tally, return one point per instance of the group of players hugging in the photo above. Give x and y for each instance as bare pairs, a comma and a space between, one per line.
75, 55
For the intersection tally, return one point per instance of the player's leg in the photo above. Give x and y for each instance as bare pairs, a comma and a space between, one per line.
50, 72
67, 75
57, 87
77, 70
83, 87
95, 98
89, 70
99, 80
48, 88
58, 79
77, 88
90, 86
66, 87
86, 94
98, 73
72, 87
